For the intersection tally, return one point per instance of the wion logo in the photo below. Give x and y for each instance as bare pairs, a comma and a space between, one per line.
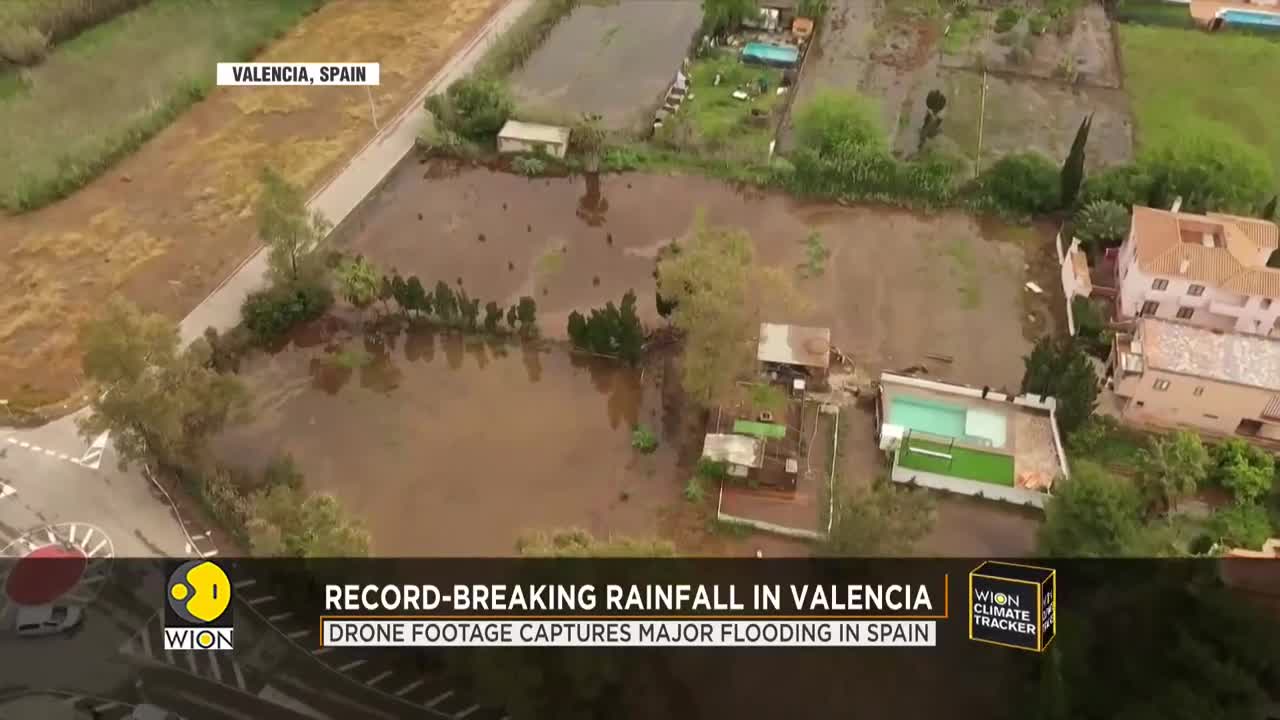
1012, 605
197, 609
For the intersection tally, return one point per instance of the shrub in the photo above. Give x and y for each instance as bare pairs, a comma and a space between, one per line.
528, 165
643, 439
695, 489
22, 45
1020, 184
1209, 172
1038, 23
1008, 19
833, 121
1102, 224
620, 160
712, 469
269, 314
474, 107
1125, 185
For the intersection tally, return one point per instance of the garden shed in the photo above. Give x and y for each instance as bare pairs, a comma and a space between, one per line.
523, 137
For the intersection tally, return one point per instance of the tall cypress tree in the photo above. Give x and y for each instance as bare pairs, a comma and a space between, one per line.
1073, 166
1269, 212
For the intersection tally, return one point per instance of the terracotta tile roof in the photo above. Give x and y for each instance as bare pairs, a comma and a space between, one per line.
1239, 358
1169, 243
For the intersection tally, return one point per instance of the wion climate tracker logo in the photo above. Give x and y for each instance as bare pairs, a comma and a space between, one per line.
197, 608
1012, 605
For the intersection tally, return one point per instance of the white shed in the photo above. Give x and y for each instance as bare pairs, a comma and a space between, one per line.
523, 137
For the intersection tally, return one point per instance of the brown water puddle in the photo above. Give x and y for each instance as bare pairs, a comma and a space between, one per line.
446, 446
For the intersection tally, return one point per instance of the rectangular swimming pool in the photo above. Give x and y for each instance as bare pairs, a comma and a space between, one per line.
1251, 18
767, 54
928, 417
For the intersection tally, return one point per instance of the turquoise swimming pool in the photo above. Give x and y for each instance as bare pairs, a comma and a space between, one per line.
928, 417
1251, 18
776, 55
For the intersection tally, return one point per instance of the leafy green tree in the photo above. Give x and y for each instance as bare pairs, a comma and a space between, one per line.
1125, 185
417, 297
720, 291
468, 310
359, 281
475, 107
1209, 173
883, 520
588, 138
513, 317
527, 314
833, 121
287, 522
386, 293
160, 403
492, 316
400, 292
446, 304
287, 227
1173, 467
1061, 369
1102, 224
721, 17
1242, 525
1092, 514
270, 313
1269, 210
1022, 184
610, 330
1247, 471
1072, 174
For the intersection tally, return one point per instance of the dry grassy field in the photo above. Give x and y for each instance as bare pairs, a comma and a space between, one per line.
169, 222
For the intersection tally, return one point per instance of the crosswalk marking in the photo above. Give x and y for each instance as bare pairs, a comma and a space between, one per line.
298, 634
351, 665
246, 583
261, 599
439, 698
409, 688
323, 650
97, 547
279, 616
379, 677
106, 706
466, 712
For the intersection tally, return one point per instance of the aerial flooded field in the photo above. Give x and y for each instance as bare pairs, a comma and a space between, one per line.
446, 446
452, 446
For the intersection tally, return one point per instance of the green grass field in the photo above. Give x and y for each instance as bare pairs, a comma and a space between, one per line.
1184, 82
715, 122
101, 94
965, 463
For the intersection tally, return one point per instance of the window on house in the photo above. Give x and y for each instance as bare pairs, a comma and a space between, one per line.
1161, 385
1186, 313
1149, 308
1198, 391
1159, 284
1266, 303
1196, 290
1141, 404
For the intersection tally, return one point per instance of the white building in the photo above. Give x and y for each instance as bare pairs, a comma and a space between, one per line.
523, 137
1208, 270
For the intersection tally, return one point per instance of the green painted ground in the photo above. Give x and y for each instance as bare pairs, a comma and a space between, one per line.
965, 463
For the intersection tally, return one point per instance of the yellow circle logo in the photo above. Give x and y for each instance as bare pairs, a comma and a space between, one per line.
199, 592
1001, 598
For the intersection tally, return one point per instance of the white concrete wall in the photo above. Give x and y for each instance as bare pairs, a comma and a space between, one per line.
972, 488
966, 391
516, 145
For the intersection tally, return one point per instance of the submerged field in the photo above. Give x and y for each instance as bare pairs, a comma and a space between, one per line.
165, 225
1186, 82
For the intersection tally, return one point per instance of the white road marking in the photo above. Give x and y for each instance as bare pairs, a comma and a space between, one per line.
351, 665
24, 444
466, 712
322, 651
217, 669
409, 688
279, 616
88, 533
188, 550
235, 667
298, 634
13, 440
36, 448
211, 553
63, 456
72, 699
106, 706
201, 536
379, 677
261, 599
439, 698
246, 583
72, 534
6, 490
53, 539
47, 451
97, 547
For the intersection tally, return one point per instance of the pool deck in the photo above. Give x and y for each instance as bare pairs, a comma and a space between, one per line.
1029, 436
1204, 11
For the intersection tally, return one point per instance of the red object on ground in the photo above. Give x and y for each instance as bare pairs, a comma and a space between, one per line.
44, 575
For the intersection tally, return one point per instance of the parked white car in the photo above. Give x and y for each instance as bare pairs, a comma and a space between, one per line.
47, 620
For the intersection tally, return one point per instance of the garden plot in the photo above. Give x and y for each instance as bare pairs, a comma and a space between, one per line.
1076, 47
614, 60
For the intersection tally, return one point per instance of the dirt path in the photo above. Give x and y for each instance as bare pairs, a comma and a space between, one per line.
170, 222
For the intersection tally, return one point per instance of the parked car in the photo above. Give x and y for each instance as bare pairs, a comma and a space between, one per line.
47, 620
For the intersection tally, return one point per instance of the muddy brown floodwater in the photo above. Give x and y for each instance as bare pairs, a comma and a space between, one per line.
446, 447
896, 288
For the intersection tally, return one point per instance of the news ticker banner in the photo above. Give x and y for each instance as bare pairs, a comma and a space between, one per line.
277, 74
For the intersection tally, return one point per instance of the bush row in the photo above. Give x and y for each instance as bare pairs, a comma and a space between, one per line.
27, 29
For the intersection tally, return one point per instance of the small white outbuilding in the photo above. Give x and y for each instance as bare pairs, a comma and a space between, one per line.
523, 137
